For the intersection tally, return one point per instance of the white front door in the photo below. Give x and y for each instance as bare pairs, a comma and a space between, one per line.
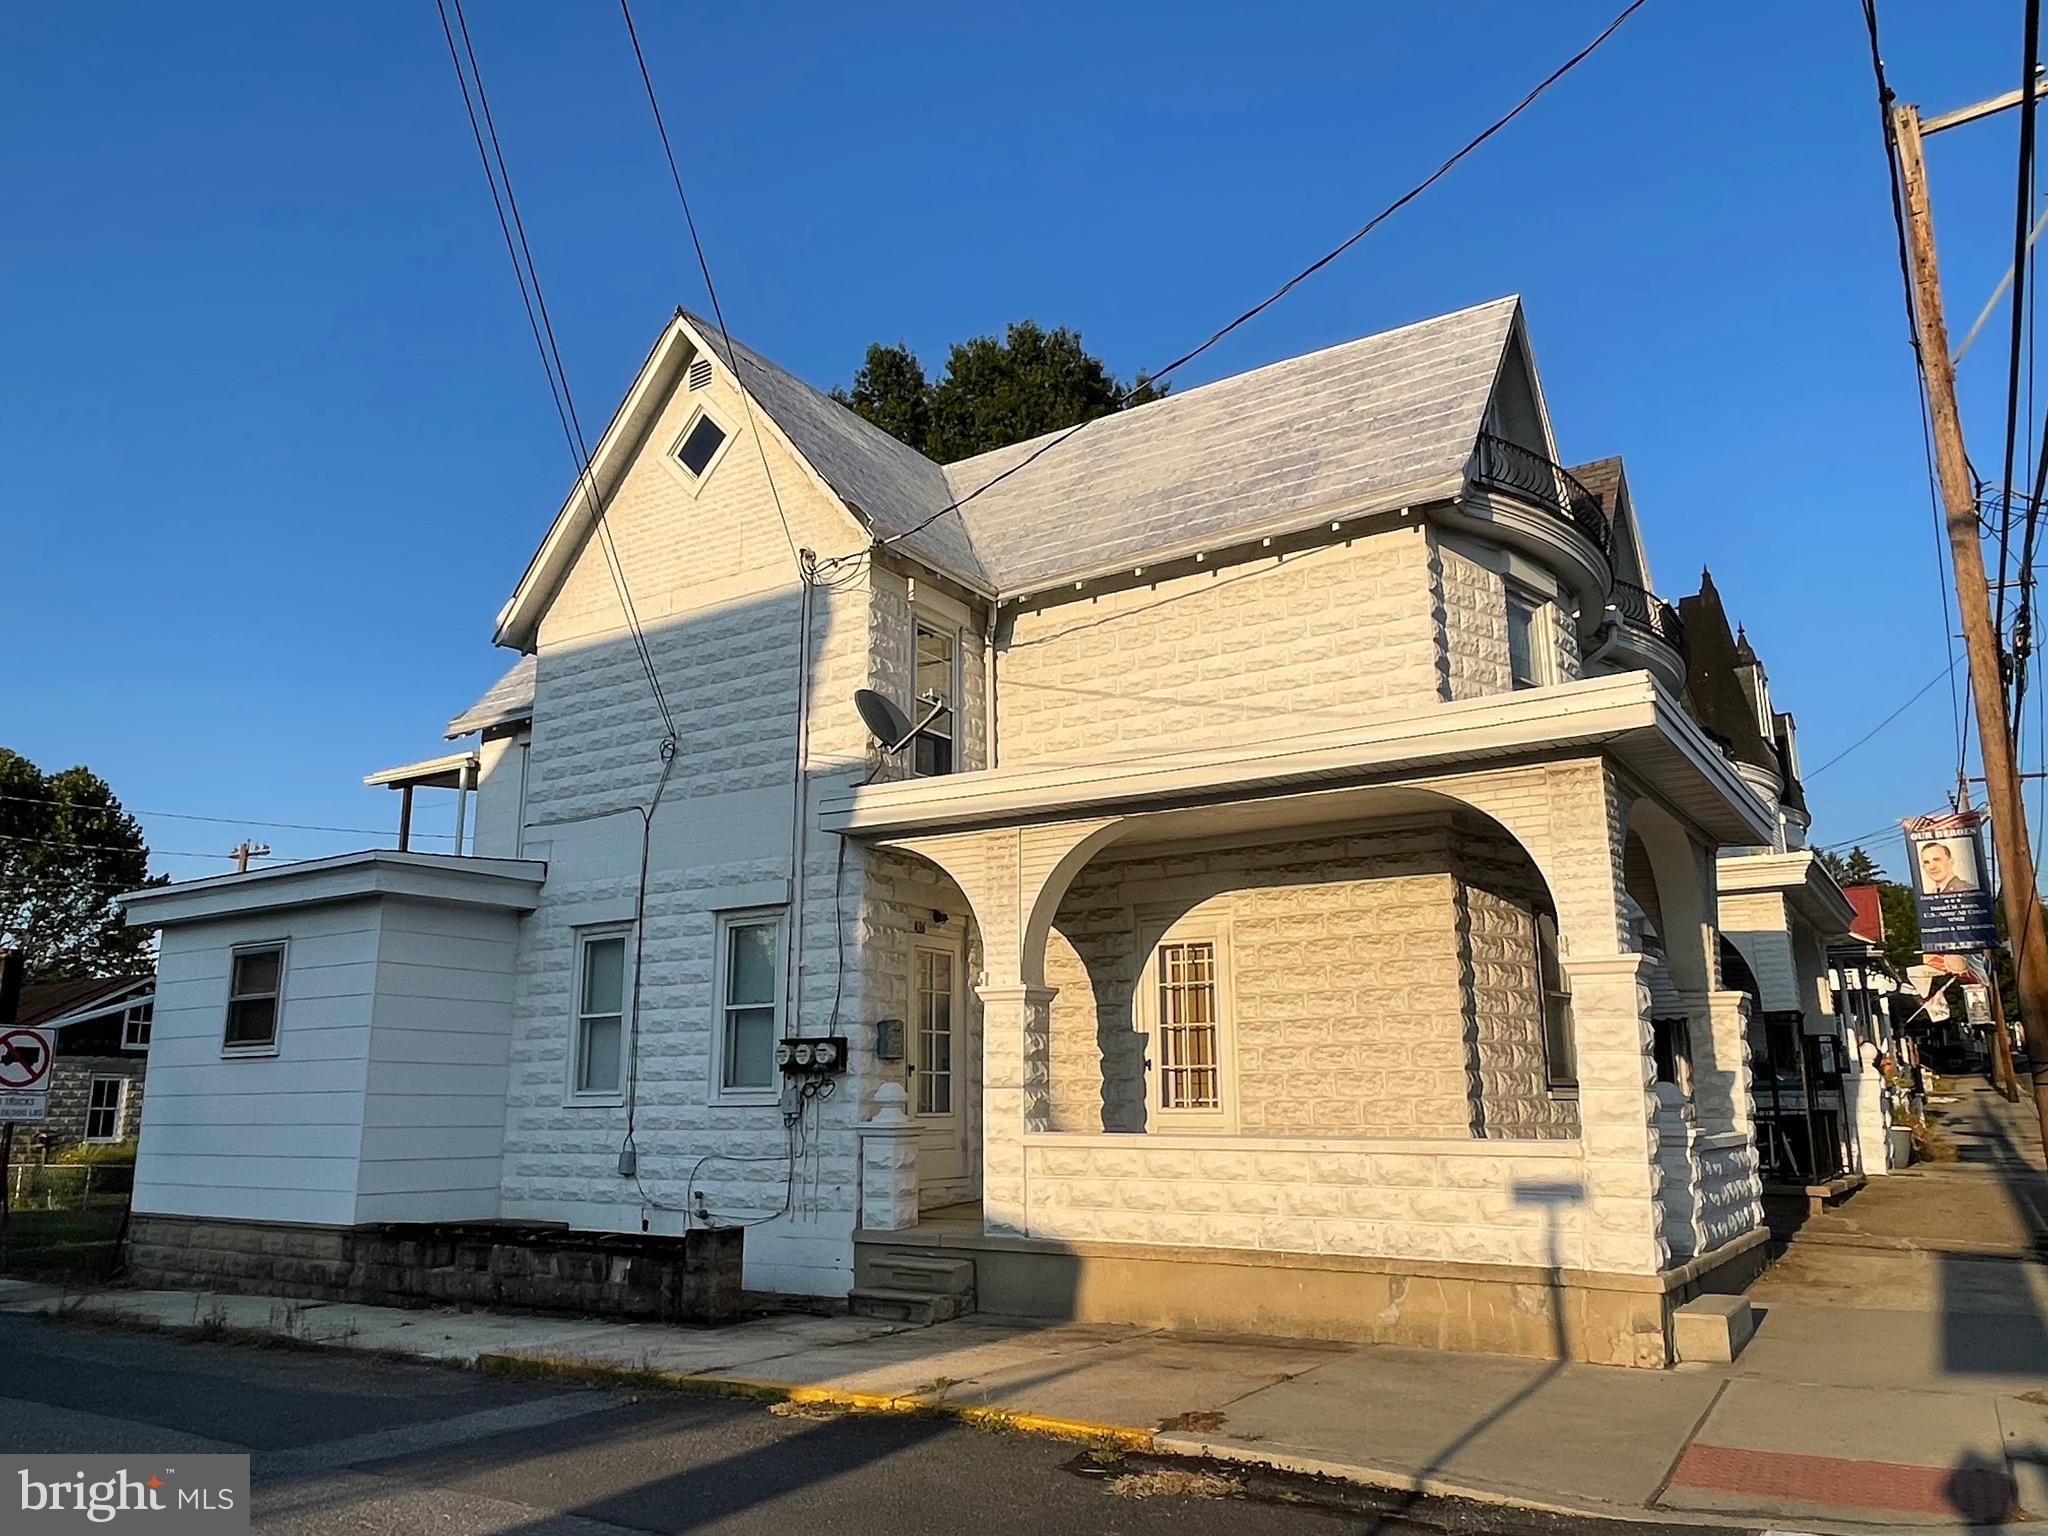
936, 1081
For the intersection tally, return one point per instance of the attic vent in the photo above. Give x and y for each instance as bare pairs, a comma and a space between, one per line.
700, 373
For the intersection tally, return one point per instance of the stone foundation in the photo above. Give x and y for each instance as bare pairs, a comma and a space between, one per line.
1546, 1314
694, 1278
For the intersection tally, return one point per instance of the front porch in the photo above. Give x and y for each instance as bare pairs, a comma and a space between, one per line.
1408, 1033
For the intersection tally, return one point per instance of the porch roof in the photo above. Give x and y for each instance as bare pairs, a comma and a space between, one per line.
1798, 876
1629, 716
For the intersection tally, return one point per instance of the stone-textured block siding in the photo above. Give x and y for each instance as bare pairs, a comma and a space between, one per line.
1499, 892
1381, 982
71, 1095
1285, 644
714, 580
1402, 1200
1730, 1195
1472, 614
902, 894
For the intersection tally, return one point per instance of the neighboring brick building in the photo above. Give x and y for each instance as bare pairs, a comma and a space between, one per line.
103, 1032
1292, 906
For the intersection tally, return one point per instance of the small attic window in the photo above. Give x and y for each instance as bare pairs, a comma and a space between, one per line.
699, 445
700, 374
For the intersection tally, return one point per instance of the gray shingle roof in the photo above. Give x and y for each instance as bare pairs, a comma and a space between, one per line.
893, 485
509, 698
1360, 422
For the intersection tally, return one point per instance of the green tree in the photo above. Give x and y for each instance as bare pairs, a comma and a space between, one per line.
66, 850
891, 391
994, 392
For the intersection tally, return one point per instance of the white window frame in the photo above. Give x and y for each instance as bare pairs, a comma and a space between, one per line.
129, 1021
723, 1092
1212, 929
1542, 637
599, 1098
120, 1106
922, 944
268, 1047
925, 616
1559, 1083
695, 482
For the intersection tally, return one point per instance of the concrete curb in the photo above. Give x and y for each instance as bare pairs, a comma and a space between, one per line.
538, 1367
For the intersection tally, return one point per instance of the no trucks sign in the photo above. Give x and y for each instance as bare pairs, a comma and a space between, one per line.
25, 1059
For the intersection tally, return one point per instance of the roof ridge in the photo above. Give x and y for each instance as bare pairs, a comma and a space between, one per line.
1136, 412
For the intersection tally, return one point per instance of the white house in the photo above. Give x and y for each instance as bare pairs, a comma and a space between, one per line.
1295, 906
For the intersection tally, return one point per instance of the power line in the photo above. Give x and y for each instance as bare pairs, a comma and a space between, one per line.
238, 821
1153, 376
1885, 98
710, 288
2031, 47
542, 325
64, 842
1887, 720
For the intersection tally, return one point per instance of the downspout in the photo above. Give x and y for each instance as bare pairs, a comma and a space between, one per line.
988, 685
793, 984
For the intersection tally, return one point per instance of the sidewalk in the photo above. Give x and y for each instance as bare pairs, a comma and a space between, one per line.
1899, 1384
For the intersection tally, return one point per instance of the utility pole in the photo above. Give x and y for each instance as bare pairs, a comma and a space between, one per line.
244, 851
1973, 599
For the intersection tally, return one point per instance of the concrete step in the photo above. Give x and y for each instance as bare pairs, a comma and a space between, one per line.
1711, 1330
920, 1272
902, 1306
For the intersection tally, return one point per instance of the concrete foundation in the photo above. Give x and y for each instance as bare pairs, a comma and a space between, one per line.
693, 1278
1549, 1314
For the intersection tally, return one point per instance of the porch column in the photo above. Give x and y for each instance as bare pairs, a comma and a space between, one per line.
1617, 1113
1731, 1189
1016, 1074
888, 1163
1681, 1189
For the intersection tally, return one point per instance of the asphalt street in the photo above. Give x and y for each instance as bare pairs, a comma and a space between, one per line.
357, 1444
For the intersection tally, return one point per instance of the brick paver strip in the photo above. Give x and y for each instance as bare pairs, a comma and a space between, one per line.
1975, 1493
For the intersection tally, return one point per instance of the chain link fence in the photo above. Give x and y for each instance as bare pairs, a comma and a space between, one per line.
67, 1186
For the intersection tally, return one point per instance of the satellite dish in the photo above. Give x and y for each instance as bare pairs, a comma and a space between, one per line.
890, 727
885, 722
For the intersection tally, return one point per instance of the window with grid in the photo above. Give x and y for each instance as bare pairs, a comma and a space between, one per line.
255, 987
103, 1109
1190, 1059
934, 1032
136, 1025
936, 651
599, 1055
750, 994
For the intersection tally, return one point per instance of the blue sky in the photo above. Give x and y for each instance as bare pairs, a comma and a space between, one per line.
274, 446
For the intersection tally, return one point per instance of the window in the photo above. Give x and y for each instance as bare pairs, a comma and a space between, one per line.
1528, 641
103, 1108
750, 1001
699, 445
598, 1057
933, 1009
934, 668
1184, 1003
255, 992
135, 1027
1560, 1054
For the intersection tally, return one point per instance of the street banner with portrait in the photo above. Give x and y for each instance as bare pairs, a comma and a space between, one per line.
1950, 889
